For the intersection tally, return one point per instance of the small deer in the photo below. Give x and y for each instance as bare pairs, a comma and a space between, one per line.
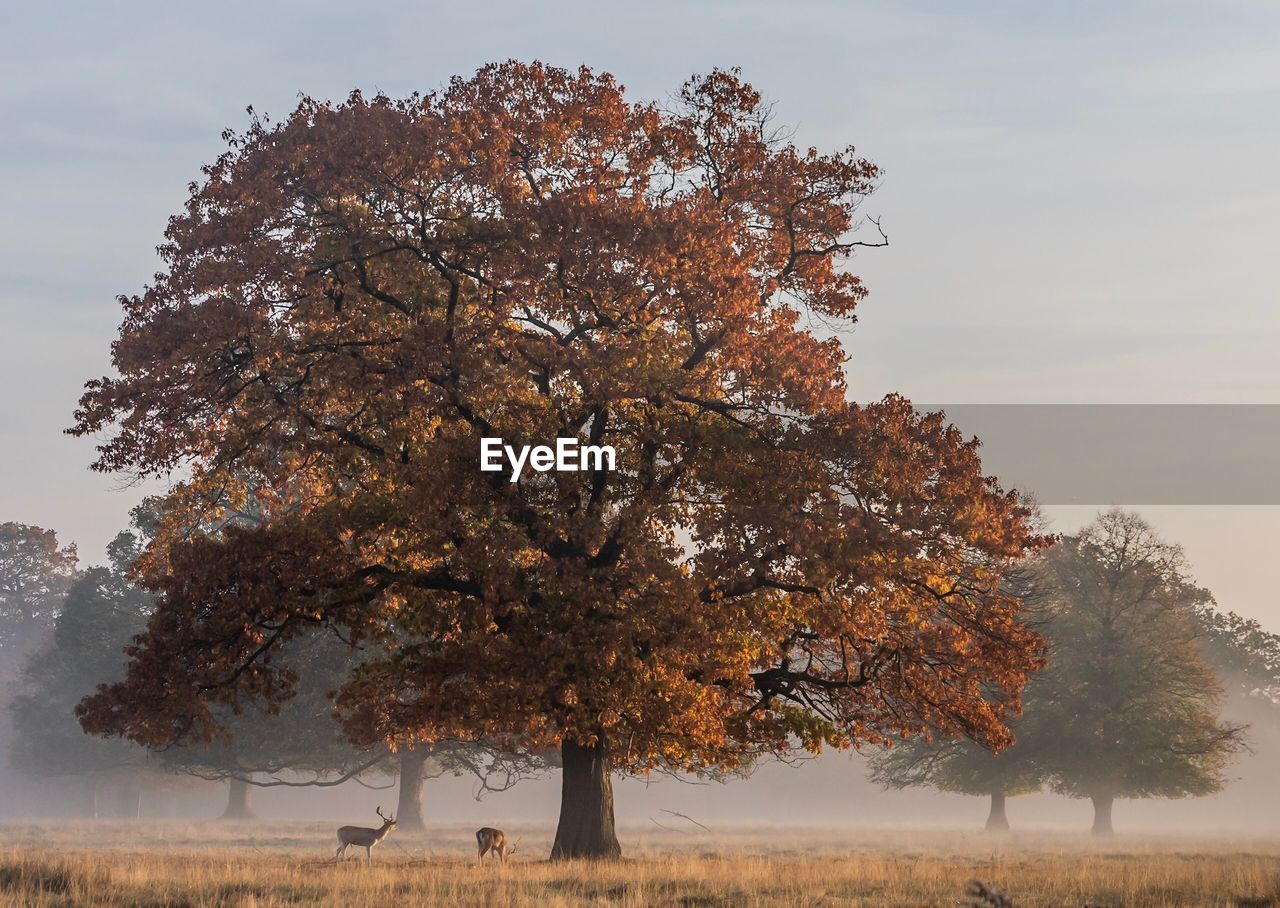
364, 837
495, 840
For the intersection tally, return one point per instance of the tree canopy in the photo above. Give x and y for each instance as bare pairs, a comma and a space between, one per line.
97, 617
1129, 696
354, 296
1244, 655
35, 573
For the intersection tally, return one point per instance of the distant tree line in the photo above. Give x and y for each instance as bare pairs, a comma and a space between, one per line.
1140, 662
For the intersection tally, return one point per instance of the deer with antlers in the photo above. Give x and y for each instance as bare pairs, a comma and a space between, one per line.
364, 837
495, 840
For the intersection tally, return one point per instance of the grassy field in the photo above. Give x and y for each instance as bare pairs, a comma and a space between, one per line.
277, 865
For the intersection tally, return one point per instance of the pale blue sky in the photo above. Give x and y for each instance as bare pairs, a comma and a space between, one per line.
1082, 198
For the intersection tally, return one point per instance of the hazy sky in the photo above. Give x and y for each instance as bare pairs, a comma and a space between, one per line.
1082, 198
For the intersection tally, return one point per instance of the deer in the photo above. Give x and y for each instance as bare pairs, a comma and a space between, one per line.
495, 840
364, 837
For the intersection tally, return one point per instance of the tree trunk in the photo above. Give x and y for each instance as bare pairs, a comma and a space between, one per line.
586, 828
238, 801
1102, 815
91, 796
997, 819
409, 808
126, 800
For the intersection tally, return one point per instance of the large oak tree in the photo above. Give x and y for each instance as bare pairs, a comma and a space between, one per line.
355, 296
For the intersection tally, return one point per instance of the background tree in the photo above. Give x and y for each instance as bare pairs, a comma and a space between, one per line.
35, 573
96, 618
355, 296
492, 768
1130, 698
95, 622
1244, 655
296, 743
299, 737
962, 766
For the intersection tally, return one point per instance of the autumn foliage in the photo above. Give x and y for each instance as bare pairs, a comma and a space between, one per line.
354, 296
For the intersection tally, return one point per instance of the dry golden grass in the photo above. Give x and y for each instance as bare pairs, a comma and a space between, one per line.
214, 864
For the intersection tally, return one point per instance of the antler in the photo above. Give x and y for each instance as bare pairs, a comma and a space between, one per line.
515, 846
385, 819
